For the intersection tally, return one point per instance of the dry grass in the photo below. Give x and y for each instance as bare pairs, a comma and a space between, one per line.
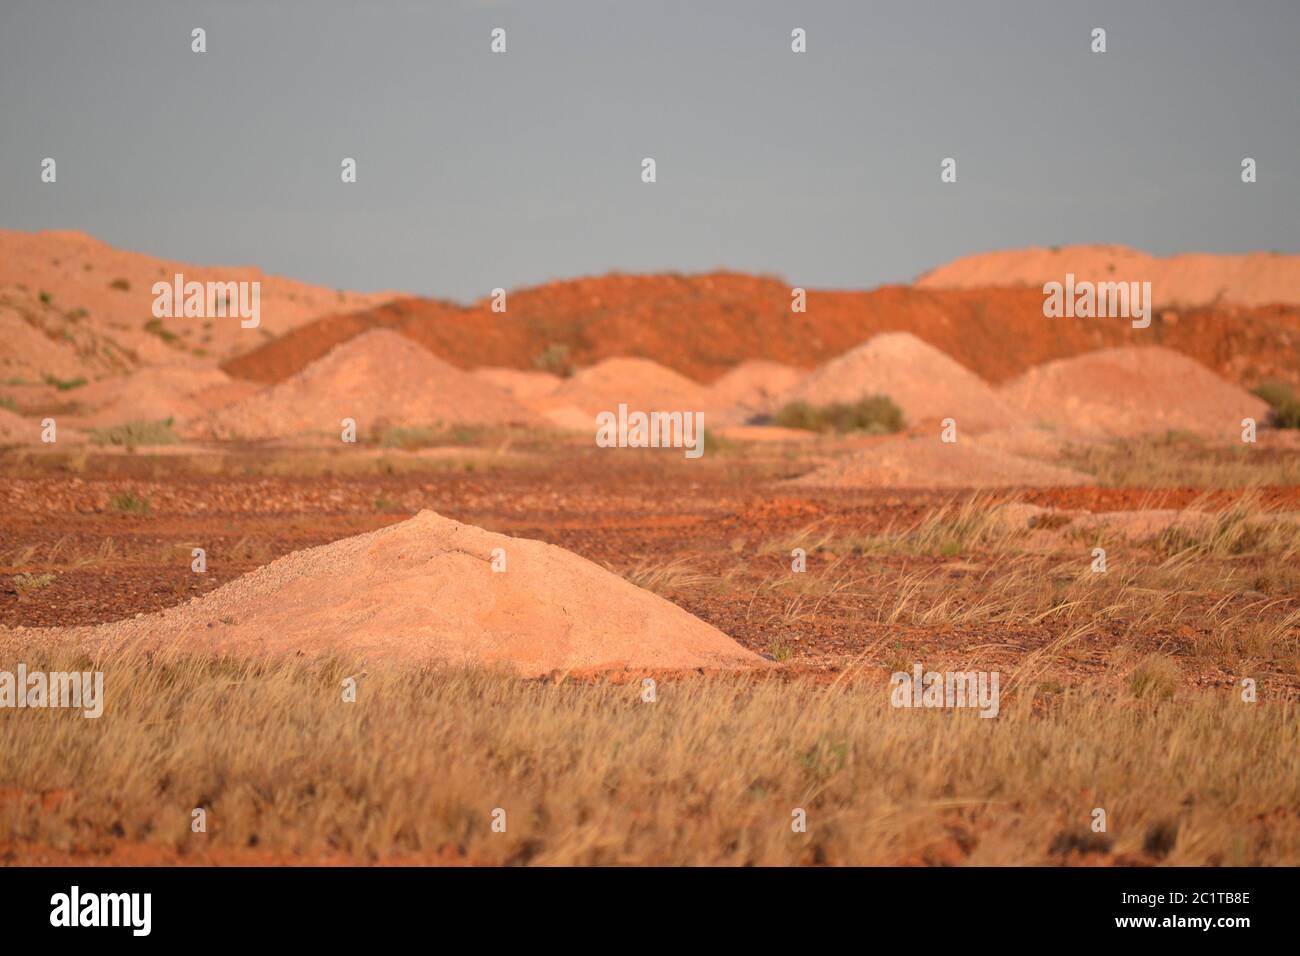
1221, 588
664, 577
590, 774
1182, 461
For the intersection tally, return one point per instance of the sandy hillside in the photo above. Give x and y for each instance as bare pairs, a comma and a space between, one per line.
1252, 279
71, 306
923, 462
424, 590
16, 430
1133, 391
754, 386
926, 384
380, 379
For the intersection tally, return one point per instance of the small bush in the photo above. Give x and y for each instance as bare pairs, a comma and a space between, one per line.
127, 503
155, 327
408, 438
9, 403
64, 384
27, 583
875, 415
554, 359
715, 444
1155, 676
121, 285
46, 298
1281, 397
136, 433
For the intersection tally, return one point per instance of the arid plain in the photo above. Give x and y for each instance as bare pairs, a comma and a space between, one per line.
647, 655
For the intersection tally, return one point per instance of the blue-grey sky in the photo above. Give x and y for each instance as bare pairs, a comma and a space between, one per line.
479, 170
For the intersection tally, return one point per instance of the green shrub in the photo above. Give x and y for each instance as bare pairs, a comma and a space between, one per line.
121, 285
64, 384
155, 327
554, 359
1281, 397
9, 403
875, 415
127, 503
409, 438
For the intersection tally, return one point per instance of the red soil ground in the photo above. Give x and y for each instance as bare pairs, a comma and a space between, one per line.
702, 325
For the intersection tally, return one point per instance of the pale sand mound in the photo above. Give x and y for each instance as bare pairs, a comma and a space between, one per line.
927, 462
921, 380
16, 430
1032, 441
1133, 391
1256, 278
519, 384
424, 591
380, 379
754, 386
153, 394
570, 418
640, 384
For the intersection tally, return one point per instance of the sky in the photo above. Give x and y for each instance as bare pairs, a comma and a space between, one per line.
477, 170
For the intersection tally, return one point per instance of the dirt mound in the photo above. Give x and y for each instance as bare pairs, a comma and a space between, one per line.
1253, 279
639, 383
701, 326
926, 384
754, 386
520, 384
381, 380
1031, 441
16, 430
424, 590
924, 462
72, 306
153, 394
1133, 391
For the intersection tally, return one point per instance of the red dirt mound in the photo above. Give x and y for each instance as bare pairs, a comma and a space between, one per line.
703, 325
425, 591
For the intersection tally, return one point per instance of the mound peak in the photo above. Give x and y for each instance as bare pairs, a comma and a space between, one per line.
379, 379
1133, 391
924, 382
